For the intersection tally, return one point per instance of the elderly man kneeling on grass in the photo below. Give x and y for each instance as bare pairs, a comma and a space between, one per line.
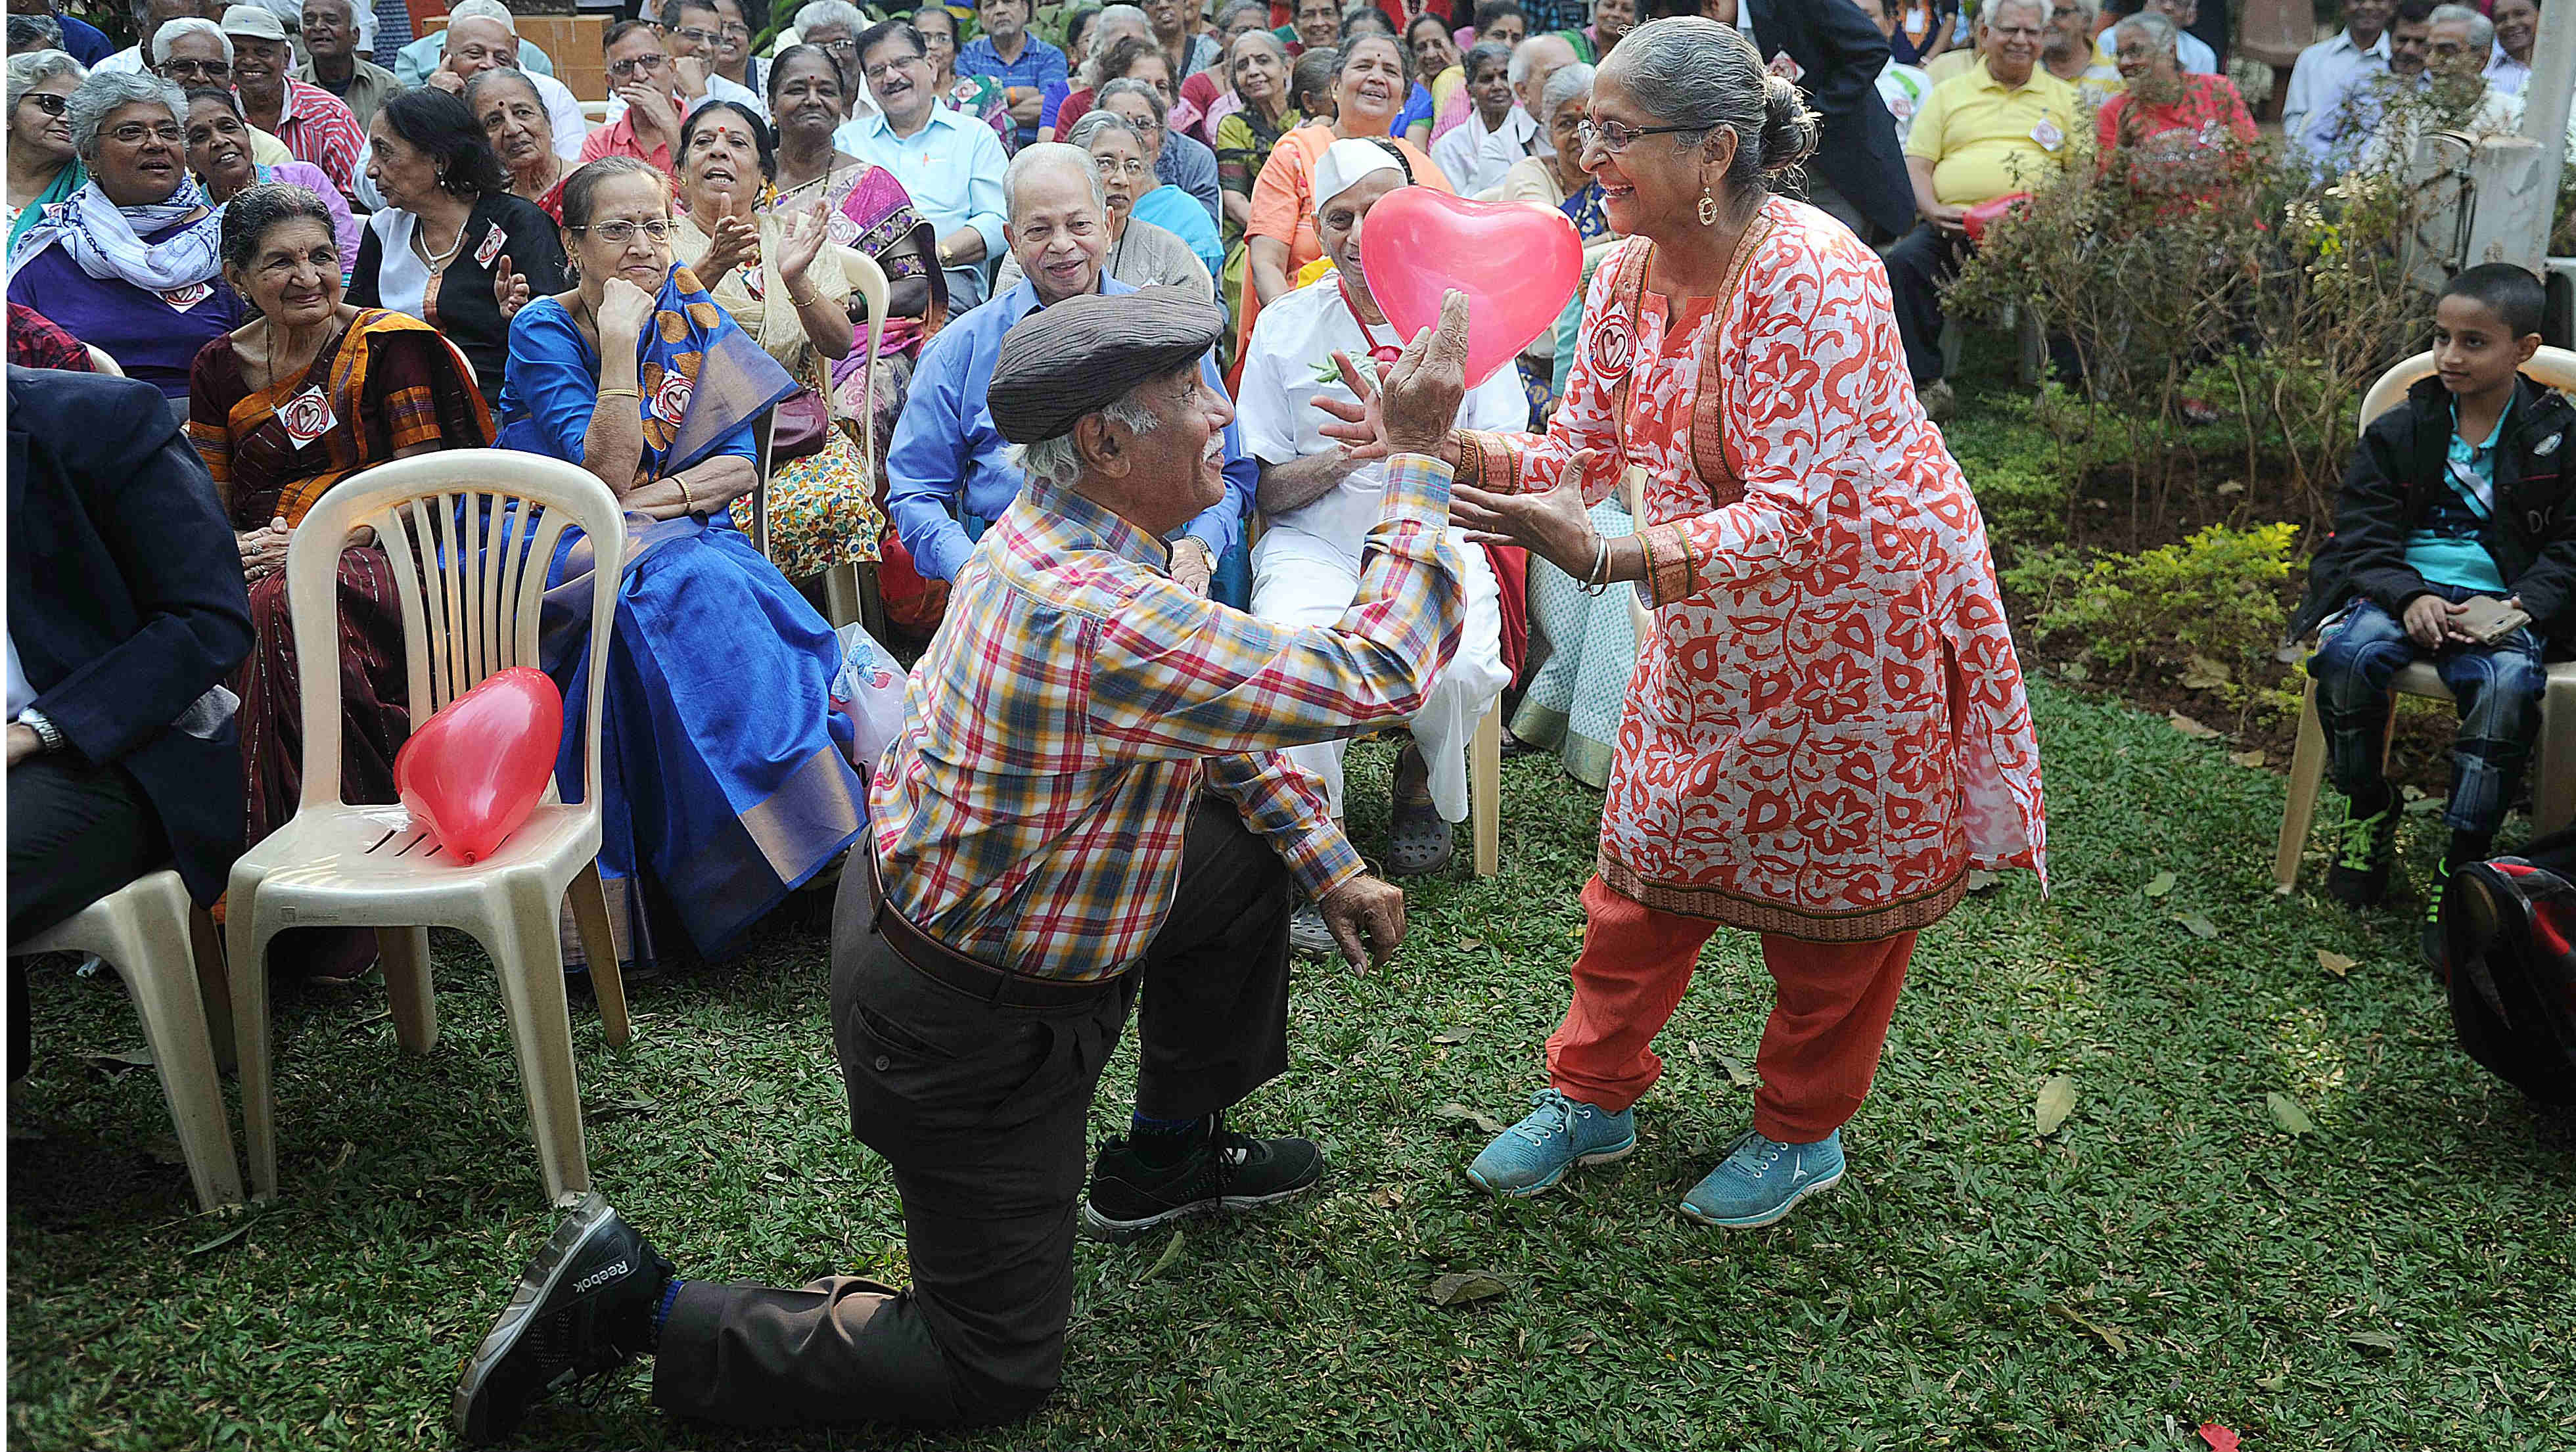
1089, 800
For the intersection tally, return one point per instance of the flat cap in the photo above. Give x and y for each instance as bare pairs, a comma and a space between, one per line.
1083, 354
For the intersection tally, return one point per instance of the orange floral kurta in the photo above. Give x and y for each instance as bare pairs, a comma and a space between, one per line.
1827, 728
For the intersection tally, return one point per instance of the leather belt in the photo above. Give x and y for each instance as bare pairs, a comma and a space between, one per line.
1000, 987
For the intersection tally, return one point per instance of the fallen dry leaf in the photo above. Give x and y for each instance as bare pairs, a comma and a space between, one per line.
2247, 759
2287, 1114
1460, 1287
2199, 924
2160, 884
2056, 1101
2219, 1437
2190, 727
2200, 673
1462, 1114
2107, 1335
2336, 963
1171, 1253
1736, 1074
2372, 1340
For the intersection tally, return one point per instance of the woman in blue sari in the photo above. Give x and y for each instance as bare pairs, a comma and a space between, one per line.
724, 772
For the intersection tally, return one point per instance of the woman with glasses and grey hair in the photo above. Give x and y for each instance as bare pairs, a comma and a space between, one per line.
128, 263
1826, 730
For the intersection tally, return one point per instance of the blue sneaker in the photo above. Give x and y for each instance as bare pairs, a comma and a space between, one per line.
1761, 1179
1559, 1134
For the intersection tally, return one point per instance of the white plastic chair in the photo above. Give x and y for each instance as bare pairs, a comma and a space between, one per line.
469, 609
843, 595
2553, 784
144, 930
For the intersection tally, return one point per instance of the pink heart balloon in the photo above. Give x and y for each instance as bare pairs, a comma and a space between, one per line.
474, 770
1516, 264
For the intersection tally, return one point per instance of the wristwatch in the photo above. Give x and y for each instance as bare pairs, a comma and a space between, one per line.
49, 737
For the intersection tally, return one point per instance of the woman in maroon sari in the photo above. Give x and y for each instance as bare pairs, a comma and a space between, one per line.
307, 394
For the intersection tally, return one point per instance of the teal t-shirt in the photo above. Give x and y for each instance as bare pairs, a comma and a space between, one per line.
2444, 548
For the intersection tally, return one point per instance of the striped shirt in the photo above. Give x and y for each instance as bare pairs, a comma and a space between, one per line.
1030, 813
320, 128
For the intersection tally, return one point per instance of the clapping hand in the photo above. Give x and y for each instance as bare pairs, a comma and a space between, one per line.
1552, 523
799, 245
732, 242
1410, 410
509, 289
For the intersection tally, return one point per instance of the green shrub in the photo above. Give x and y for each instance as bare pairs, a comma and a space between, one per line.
2213, 600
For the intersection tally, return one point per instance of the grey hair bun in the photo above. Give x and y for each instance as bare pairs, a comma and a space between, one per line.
1790, 131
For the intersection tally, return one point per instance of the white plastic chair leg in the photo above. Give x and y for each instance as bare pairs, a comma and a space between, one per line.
2307, 773
149, 944
599, 945
1485, 790
841, 595
529, 957
247, 940
405, 955
2553, 790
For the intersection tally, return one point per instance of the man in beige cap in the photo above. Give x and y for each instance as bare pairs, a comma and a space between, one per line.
1088, 798
315, 125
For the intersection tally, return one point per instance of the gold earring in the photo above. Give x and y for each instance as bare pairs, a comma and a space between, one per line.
1707, 208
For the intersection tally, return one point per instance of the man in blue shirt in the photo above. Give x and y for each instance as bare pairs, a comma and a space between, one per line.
1023, 63
951, 165
950, 473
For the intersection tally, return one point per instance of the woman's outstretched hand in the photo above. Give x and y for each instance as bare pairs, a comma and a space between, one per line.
1553, 524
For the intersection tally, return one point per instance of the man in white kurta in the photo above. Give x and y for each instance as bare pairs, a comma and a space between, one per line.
1307, 566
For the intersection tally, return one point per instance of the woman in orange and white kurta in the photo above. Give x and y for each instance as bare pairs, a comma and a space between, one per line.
1826, 728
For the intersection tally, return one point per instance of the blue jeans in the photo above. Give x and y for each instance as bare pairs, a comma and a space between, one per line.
2498, 688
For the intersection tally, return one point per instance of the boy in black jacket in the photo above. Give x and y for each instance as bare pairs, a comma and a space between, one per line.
2458, 492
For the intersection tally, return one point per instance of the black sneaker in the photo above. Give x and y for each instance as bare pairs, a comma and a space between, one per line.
583, 1308
1228, 1171
2359, 877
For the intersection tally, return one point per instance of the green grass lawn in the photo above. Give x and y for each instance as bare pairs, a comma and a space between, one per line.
2402, 1277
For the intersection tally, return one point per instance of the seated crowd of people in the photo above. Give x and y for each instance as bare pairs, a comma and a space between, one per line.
328, 244
252, 213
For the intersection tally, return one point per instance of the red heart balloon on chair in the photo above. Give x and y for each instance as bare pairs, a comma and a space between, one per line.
1516, 264
474, 770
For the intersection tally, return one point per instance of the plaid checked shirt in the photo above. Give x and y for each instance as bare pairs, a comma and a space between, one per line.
1030, 813
320, 128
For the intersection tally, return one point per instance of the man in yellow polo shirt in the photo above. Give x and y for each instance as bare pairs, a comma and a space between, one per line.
2005, 126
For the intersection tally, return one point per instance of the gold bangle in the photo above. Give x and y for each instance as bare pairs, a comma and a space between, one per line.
688, 501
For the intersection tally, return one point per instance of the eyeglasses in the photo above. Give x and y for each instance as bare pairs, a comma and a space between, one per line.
878, 71
1112, 166
1614, 137
49, 103
842, 48
135, 133
619, 233
212, 70
635, 64
732, 28
695, 36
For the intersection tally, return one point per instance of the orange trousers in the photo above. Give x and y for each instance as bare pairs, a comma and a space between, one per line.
1819, 1049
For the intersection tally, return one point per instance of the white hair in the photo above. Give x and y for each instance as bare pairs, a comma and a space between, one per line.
29, 69
483, 10
1058, 461
1039, 157
188, 25
105, 93
2161, 33
831, 12
2481, 29
2037, 8
1519, 69
1128, 15
1567, 83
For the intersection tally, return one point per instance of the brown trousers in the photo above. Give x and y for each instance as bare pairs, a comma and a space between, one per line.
982, 1112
